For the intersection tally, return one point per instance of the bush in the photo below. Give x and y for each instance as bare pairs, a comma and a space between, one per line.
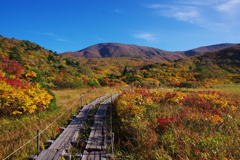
94, 83
188, 84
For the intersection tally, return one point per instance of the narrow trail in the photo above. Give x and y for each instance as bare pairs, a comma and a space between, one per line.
96, 148
96, 144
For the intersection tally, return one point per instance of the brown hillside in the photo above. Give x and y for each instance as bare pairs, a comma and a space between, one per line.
104, 50
204, 49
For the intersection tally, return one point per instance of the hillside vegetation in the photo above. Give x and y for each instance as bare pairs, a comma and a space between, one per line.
104, 50
114, 50
210, 68
190, 124
185, 108
33, 70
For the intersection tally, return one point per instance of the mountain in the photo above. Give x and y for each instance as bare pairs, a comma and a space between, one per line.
53, 70
227, 59
230, 53
104, 50
29, 69
204, 49
219, 66
58, 70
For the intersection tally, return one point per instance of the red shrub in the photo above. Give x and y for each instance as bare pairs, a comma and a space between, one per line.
11, 67
12, 82
164, 121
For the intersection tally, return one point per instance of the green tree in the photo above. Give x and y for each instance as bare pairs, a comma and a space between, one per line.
51, 58
125, 71
15, 55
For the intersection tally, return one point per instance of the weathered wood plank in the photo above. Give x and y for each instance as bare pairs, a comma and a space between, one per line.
63, 142
94, 155
97, 138
97, 135
97, 141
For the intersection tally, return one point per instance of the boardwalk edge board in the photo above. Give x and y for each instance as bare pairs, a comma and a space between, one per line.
70, 133
62, 145
96, 147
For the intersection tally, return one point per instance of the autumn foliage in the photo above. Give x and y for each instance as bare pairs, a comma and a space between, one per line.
182, 124
18, 95
178, 124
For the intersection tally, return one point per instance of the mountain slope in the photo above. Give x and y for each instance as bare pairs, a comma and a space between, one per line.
221, 66
51, 69
227, 59
104, 50
204, 49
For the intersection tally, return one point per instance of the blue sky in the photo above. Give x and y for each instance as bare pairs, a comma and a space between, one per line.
71, 25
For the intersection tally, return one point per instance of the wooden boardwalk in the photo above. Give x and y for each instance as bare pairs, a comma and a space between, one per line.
96, 147
62, 144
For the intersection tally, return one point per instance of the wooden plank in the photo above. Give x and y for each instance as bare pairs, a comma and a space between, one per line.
97, 141
85, 155
63, 142
97, 138
94, 155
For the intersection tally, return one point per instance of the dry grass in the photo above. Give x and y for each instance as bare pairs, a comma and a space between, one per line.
16, 131
229, 89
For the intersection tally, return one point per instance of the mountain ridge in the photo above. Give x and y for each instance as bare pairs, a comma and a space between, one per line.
203, 49
104, 50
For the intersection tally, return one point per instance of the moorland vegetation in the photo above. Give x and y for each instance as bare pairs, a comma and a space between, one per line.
182, 109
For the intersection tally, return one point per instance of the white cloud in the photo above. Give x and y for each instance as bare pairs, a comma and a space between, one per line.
145, 36
180, 12
188, 14
229, 6
156, 6
222, 15
198, 2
